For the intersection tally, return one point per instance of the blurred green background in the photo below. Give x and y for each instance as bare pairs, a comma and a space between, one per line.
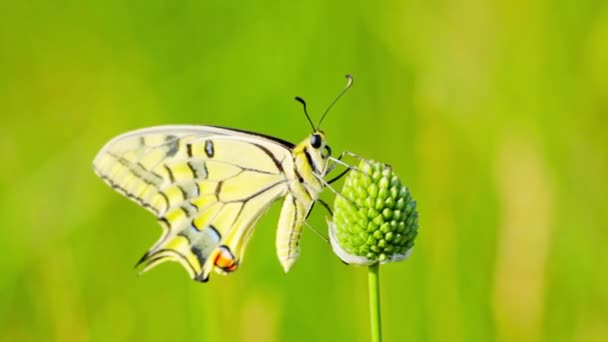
493, 112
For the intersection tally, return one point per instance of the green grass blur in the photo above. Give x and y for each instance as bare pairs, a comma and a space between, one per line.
494, 113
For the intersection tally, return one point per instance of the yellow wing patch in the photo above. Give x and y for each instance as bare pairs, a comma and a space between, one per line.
206, 186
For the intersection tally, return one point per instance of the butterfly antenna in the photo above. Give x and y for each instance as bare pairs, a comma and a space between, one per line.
349, 83
301, 100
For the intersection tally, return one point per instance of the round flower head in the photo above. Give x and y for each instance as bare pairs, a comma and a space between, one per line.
375, 219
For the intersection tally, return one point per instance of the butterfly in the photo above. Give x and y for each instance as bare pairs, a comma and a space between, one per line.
209, 185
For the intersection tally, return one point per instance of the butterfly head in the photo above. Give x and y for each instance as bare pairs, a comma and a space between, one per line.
312, 153
318, 145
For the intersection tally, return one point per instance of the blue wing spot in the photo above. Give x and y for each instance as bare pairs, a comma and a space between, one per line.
209, 150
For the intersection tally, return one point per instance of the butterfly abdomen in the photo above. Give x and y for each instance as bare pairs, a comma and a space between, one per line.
289, 232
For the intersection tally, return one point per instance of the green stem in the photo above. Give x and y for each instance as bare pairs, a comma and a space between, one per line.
373, 277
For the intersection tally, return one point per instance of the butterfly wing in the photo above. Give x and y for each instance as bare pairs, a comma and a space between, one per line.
206, 185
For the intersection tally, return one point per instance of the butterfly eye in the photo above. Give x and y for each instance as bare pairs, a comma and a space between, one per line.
326, 151
315, 141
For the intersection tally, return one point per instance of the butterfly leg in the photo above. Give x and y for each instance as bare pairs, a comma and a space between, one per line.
339, 176
336, 162
326, 206
336, 192
339, 161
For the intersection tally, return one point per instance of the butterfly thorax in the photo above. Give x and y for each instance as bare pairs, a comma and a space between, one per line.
309, 165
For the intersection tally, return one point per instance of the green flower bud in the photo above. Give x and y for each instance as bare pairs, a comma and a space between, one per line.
375, 219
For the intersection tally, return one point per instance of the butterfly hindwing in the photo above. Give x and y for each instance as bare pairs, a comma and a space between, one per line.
207, 186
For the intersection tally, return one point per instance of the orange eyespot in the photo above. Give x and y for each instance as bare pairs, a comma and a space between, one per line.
225, 260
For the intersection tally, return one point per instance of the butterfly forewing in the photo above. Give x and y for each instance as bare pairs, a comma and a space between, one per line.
207, 186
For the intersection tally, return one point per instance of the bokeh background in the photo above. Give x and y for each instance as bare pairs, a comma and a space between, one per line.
493, 112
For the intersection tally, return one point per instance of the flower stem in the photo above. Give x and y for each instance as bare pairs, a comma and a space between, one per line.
373, 277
